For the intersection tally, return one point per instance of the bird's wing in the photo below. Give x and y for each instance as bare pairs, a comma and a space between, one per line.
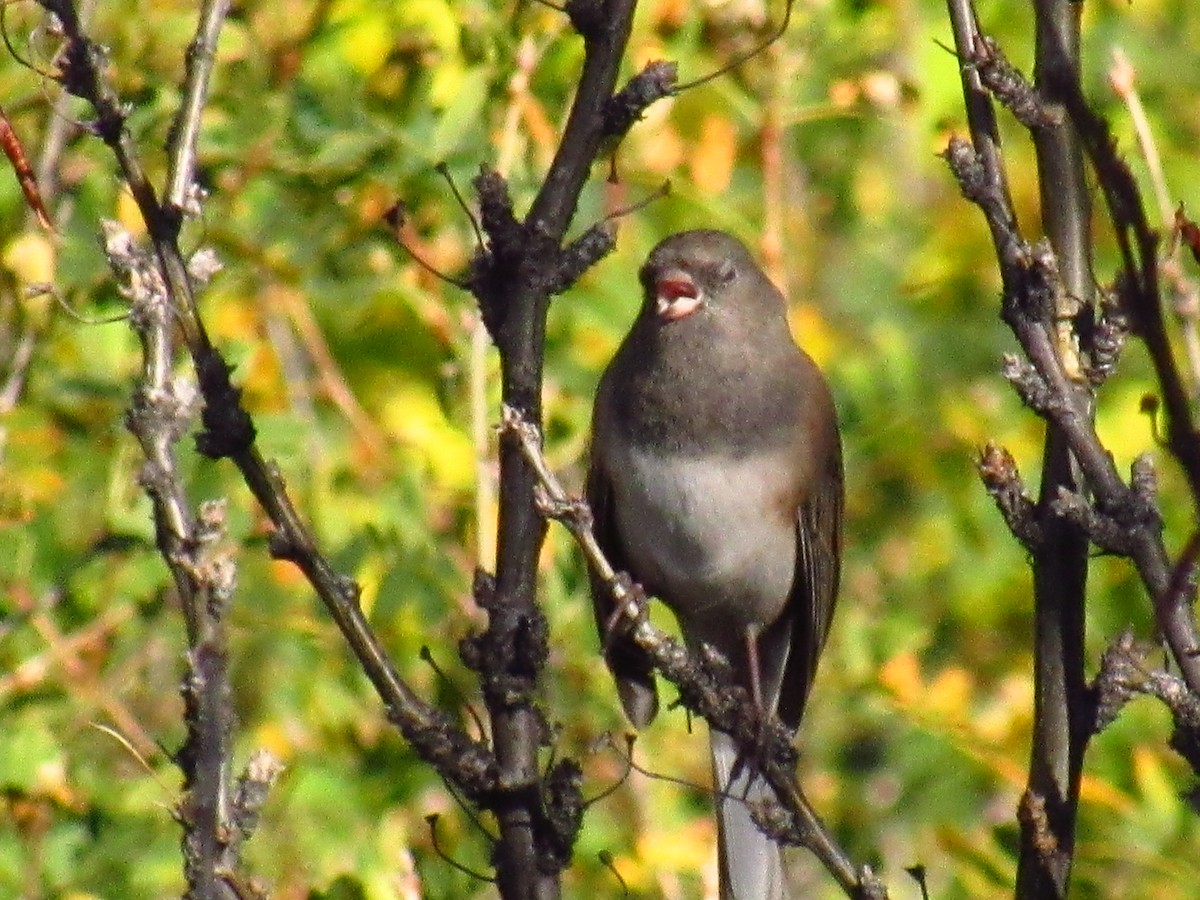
815, 588
635, 681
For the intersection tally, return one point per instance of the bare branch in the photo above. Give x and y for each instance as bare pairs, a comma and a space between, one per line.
998, 470
1125, 674
1009, 86
1032, 283
185, 131
161, 412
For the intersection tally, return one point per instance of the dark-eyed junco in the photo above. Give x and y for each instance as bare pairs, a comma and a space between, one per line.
715, 480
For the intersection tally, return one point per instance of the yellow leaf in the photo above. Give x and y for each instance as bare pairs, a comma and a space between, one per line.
364, 35
682, 849
1124, 428
902, 676
1009, 711
31, 257
129, 215
286, 573
716, 150
463, 103
669, 14
435, 20
1155, 784
263, 380
369, 577
661, 150
274, 738
874, 194
812, 332
51, 781
1100, 792
949, 694
537, 122
414, 415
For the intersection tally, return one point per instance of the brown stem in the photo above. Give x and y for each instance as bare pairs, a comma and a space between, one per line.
1062, 703
520, 337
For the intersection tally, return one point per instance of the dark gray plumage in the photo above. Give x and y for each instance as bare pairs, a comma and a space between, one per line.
716, 481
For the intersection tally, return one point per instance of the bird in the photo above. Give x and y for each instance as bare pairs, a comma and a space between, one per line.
715, 481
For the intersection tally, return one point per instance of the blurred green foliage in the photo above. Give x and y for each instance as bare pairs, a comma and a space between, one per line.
359, 366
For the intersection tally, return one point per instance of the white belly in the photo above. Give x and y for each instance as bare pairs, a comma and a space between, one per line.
706, 532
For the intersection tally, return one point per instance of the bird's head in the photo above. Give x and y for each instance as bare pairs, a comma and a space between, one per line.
696, 271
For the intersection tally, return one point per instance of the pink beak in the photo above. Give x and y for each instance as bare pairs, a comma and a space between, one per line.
676, 295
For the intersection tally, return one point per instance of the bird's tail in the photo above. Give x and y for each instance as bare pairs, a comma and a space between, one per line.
751, 867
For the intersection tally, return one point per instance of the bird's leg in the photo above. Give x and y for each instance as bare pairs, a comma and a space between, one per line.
754, 671
627, 611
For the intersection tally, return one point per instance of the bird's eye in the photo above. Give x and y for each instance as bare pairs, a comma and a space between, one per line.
726, 272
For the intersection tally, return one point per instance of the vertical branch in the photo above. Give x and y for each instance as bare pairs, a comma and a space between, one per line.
211, 844
1061, 701
515, 301
162, 410
510, 142
1048, 298
771, 159
161, 414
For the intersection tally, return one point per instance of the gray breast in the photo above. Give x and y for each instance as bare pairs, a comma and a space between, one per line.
706, 533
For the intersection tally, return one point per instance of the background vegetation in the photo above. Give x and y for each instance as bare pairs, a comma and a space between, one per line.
366, 376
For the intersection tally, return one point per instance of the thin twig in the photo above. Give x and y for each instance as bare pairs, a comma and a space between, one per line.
1122, 78
743, 58
185, 131
1185, 293
15, 151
